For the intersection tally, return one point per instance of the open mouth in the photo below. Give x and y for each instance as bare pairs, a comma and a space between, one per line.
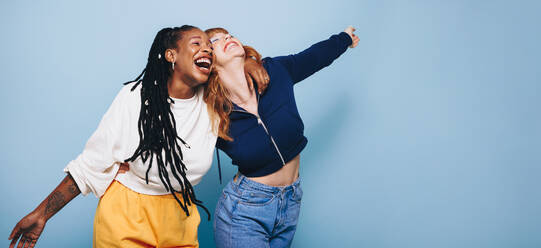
203, 64
229, 44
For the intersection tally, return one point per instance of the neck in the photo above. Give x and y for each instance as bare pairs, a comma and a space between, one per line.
233, 78
177, 88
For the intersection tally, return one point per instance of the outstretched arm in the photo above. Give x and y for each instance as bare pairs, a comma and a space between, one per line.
31, 226
319, 55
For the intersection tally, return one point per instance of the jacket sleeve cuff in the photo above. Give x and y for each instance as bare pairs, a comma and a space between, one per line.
345, 39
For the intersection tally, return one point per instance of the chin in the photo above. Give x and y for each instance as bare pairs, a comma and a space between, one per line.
200, 76
201, 79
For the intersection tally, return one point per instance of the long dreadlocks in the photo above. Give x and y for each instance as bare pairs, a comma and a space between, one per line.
157, 125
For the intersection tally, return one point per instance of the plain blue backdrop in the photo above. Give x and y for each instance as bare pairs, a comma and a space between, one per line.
425, 135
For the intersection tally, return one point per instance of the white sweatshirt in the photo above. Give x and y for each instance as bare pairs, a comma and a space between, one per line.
117, 138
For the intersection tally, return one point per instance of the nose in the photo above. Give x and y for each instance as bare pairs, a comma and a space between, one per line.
227, 36
207, 48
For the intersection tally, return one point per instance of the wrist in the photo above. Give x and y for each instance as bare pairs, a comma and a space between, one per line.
39, 213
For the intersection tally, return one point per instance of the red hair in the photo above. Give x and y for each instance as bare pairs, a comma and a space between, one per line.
217, 96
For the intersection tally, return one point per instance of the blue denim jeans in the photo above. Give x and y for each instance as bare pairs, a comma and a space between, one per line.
255, 215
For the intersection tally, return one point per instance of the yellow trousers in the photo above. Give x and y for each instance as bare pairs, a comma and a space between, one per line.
125, 218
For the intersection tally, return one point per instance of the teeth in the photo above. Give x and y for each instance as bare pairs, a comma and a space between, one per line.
230, 44
203, 60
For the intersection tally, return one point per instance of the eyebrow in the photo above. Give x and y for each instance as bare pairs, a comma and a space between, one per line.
195, 37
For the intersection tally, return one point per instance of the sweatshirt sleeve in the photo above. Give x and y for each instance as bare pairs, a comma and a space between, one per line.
96, 167
316, 57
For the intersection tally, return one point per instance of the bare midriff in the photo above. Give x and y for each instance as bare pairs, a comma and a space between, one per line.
283, 177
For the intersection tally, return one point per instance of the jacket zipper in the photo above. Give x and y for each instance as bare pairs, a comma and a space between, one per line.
260, 122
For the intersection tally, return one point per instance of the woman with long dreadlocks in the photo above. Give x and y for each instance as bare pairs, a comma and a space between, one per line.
263, 135
159, 124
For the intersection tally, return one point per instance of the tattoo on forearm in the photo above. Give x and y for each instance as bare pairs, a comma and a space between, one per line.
55, 202
66, 179
72, 186
73, 189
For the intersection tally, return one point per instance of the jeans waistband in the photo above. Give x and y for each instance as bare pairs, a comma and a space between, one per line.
243, 180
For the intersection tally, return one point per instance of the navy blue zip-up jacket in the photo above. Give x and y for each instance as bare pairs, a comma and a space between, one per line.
263, 144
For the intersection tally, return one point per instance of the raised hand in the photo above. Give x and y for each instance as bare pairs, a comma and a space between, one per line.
349, 30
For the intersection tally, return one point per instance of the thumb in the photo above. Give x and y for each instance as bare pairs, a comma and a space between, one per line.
16, 231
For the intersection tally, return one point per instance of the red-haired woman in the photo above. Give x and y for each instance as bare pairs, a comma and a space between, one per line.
263, 135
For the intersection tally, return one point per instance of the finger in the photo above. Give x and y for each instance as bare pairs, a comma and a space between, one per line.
33, 243
21, 243
29, 243
15, 232
266, 75
249, 72
263, 84
13, 242
263, 78
354, 43
14, 239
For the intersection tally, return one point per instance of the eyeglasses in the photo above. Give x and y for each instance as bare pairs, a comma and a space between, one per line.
224, 37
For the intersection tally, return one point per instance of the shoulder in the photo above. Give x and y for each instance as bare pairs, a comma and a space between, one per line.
128, 95
277, 68
274, 65
127, 99
130, 92
269, 61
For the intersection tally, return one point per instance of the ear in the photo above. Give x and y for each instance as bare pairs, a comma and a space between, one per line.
170, 55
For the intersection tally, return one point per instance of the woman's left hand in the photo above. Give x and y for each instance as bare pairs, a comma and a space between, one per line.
258, 73
354, 38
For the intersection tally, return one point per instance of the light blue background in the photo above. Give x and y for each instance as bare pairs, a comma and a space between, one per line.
425, 135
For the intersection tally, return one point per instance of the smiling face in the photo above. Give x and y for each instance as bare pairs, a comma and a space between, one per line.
192, 57
226, 47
